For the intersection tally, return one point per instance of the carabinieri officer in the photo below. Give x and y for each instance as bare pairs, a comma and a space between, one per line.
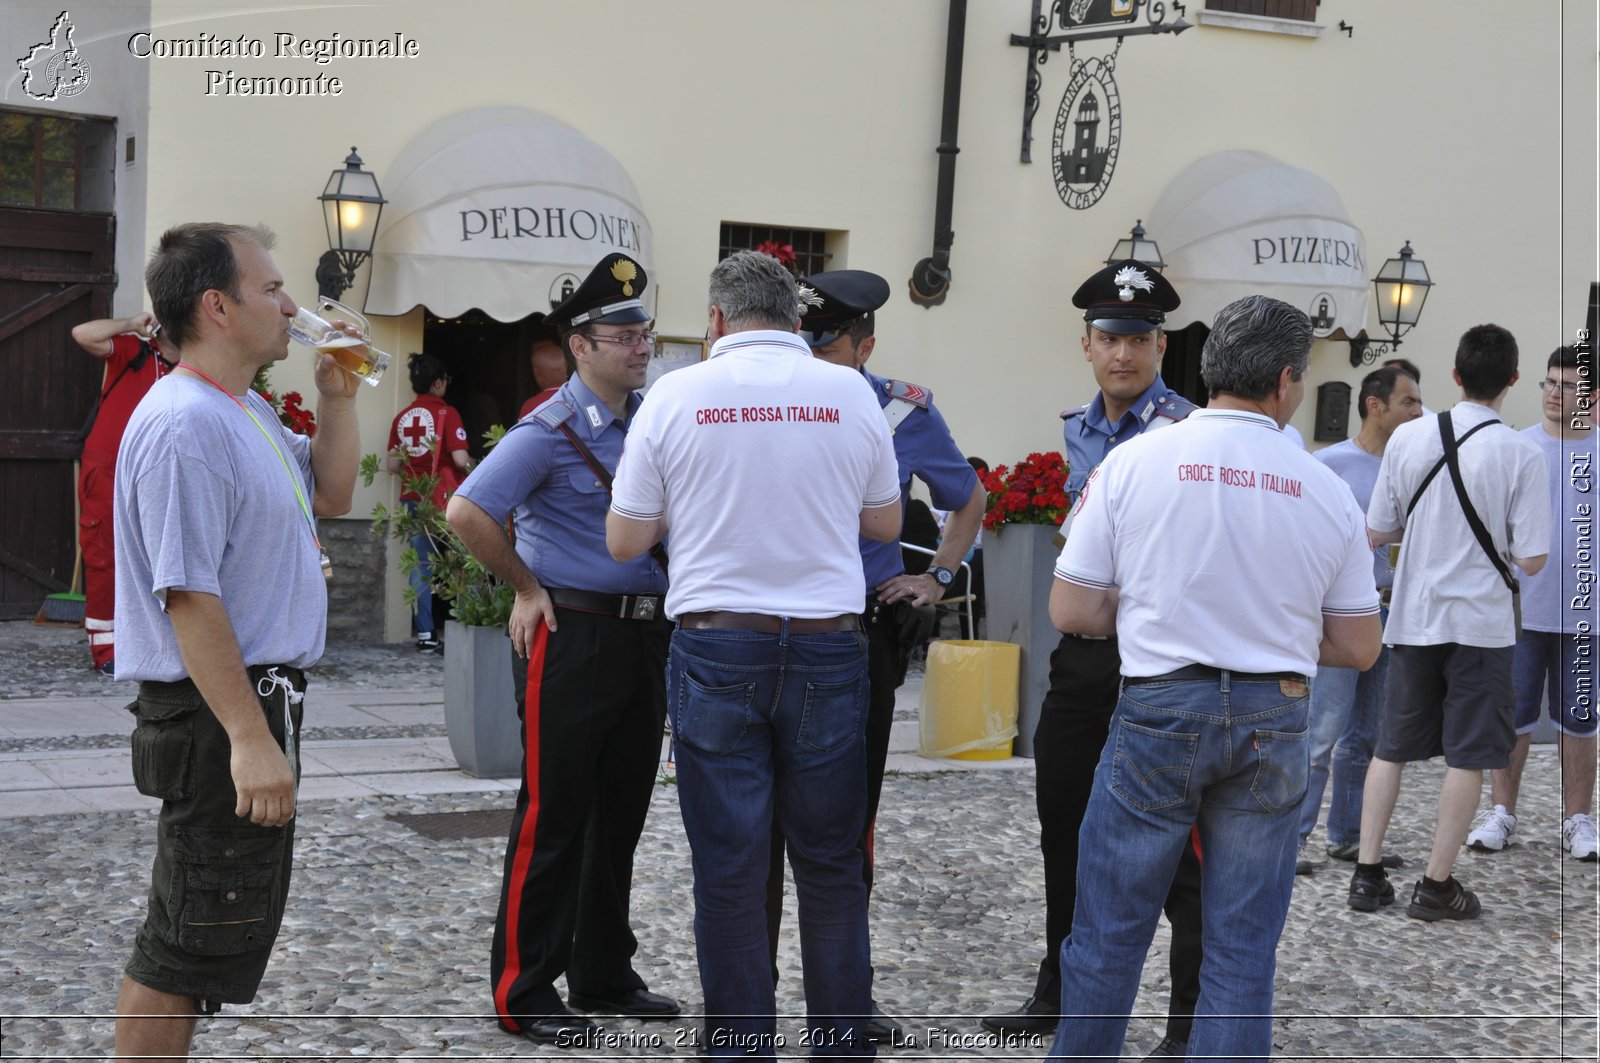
1124, 307
590, 645
838, 323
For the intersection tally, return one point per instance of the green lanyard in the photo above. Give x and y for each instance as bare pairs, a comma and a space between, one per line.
294, 479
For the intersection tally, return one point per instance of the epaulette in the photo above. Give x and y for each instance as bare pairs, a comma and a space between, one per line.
1067, 415
552, 414
1174, 407
915, 394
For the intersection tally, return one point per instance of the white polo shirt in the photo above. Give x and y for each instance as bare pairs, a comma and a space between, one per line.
1228, 542
1445, 587
761, 460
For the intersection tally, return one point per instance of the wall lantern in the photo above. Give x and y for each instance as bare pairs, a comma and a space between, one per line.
1138, 248
351, 204
1402, 286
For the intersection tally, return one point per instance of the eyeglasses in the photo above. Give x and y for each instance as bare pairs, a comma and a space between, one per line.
627, 339
1566, 387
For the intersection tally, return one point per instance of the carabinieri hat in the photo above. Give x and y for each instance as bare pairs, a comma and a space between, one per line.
1126, 298
833, 301
609, 295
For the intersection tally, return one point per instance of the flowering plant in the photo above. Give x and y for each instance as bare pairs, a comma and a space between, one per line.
295, 417
784, 253
1033, 492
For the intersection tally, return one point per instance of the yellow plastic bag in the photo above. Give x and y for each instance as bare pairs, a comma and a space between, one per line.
969, 699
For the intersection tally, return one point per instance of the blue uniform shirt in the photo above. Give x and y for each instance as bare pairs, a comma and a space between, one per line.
560, 504
923, 447
1090, 436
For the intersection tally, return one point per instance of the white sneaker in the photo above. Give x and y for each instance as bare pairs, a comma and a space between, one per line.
1492, 830
1578, 837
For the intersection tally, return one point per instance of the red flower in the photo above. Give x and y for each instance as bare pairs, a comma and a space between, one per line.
1033, 492
782, 252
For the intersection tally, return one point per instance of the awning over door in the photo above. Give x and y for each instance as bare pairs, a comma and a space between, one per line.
1239, 223
503, 209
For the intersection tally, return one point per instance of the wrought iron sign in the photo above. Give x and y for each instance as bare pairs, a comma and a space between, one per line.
1088, 127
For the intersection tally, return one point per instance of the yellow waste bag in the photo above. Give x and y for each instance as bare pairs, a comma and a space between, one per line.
969, 699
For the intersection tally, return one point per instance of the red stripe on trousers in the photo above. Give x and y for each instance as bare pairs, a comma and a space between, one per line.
530, 824
1194, 840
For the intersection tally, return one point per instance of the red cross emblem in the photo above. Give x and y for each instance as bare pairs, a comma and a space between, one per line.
415, 431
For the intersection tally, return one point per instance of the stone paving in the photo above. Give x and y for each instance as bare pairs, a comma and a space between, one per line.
384, 950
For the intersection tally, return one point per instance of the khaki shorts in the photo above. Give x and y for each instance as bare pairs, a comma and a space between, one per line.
219, 883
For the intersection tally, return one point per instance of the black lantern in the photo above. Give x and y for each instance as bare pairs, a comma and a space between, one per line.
351, 204
1138, 248
1402, 286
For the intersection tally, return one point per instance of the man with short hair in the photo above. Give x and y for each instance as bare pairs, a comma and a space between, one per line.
1557, 621
1451, 623
768, 671
1346, 704
222, 605
1124, 306
550, 362
1216, 643
589, 641
133, 362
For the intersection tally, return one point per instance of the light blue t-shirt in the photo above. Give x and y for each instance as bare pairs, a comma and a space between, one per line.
204, 503
1561, 595
1360, 470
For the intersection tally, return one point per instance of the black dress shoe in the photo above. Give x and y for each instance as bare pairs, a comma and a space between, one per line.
1169, 1048
881, 1029
636, 1003
1036, 1016
563, 1028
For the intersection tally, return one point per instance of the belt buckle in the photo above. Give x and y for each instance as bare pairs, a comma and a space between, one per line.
639, 607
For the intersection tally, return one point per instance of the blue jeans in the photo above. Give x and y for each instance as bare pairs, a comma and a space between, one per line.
421, 579
771, 729
1229, 756
1345, 708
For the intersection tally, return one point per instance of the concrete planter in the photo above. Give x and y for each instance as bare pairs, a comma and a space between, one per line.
480, 708
1019, 569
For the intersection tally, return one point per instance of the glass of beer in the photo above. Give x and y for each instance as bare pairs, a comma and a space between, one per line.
350, 346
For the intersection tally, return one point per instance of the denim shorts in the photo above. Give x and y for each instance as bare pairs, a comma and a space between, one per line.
1449, 700
219, 883
1547, 663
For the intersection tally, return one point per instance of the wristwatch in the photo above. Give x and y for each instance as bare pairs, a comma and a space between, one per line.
943, 576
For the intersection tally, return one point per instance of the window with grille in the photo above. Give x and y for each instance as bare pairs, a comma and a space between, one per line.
1299, 10
55, 163
810, 245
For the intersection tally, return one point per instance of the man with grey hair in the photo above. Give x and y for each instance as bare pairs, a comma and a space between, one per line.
767, 673
1216, 647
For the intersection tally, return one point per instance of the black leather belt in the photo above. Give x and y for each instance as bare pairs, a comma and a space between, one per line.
623, 606
771, 625
1200, 672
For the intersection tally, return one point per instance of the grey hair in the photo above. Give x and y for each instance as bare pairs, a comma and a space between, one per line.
1251, 341
755, 291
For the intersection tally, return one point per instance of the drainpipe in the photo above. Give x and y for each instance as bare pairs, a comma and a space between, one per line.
930, 278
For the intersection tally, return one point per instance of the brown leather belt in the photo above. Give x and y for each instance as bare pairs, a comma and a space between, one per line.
771, 625
1204, 672
622, 606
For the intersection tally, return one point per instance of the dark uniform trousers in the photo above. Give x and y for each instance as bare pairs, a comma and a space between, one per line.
592, 700
1074, 722
886, 670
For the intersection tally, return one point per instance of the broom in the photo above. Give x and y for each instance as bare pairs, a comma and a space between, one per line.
67, 608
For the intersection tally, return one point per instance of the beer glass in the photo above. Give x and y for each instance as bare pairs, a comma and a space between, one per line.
319, 330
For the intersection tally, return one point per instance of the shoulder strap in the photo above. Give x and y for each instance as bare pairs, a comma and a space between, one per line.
601, 473
1428, 479
1451, 447
135, 363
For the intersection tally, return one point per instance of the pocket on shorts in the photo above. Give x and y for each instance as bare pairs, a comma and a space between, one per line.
163, 748
832, 714
1150, 768
1282, 763
713, 718
228, 896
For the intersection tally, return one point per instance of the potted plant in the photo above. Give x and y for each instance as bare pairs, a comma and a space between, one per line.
1027, 503
479, 704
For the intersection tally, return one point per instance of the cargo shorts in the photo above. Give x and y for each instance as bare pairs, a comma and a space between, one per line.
219, 883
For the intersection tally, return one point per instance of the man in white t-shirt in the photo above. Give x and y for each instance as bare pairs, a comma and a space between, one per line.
1557, 618
766, 464
1451, 619
1217, 642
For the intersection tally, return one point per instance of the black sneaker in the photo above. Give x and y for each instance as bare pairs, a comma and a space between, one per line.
1348, 853
1169, 1048
1432, 903
1368, 893
428, 644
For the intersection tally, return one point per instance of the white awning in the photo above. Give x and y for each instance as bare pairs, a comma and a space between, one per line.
1241, 223
503, 209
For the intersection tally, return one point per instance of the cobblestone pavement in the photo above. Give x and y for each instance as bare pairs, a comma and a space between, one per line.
384, 952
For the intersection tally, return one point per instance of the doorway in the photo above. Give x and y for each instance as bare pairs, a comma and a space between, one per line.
490, 374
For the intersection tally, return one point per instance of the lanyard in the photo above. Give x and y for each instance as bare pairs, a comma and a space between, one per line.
299, 494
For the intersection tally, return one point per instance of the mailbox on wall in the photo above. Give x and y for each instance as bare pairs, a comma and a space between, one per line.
1333, 412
